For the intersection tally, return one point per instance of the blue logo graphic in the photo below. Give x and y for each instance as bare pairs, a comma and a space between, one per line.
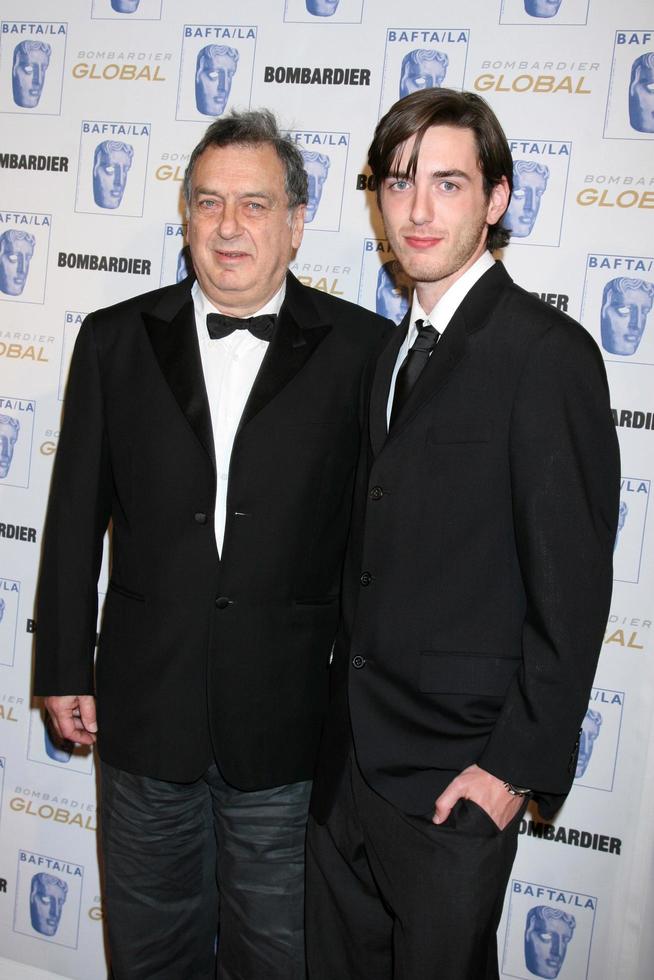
622, 517
323, 11
383, 284
547, 934
420, 58
72, 322
176, 261
616, 304
57, 749
16, 251
630, 105
216, 70
317, 168
112, 167
590, 729
322, 8
45, 746
641, 93
16, 430
393, 295
9, 429
112, 161
626, 304
134, 9
538, 167
31, 60
634, 502
599, 740
47, 896
422, 68
216, 66
542, 8
544, 12
9, 599
529, 185
325, 161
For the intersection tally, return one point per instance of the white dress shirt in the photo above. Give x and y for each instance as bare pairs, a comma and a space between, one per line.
439, 316
230, 366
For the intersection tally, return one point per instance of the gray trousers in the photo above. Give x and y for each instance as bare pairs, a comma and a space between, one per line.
202, 880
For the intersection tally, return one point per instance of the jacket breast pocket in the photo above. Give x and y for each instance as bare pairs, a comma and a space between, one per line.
447, 672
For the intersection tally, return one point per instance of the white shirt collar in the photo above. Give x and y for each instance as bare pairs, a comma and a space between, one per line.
203, 304
442, 313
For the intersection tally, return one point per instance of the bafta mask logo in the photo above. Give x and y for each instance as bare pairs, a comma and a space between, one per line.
542, 8
641, 93
393, 295
3, 606
56, 748
590, 729
215, 68
547, 934
184, 264
422, 69
322, 8
111, 163
31, 60
317, 168
626, 304
47, 897
125, 6
16, 251
529, 185
622, 517
9, 429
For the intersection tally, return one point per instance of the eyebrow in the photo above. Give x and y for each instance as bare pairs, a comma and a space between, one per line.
214, 193
436, 174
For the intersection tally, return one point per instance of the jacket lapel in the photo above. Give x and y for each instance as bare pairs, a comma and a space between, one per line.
471, 316
300, 328
172, 333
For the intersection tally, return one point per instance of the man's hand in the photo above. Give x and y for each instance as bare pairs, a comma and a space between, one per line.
486, 790
73, 717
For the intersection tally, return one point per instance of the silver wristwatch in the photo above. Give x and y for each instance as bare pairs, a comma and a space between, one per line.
516, 790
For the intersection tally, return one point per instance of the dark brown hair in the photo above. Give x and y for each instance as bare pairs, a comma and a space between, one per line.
416, 113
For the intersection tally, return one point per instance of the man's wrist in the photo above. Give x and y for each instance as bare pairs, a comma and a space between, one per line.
516, 790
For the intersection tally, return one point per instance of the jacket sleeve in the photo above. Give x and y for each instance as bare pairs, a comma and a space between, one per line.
77, 517
565, 475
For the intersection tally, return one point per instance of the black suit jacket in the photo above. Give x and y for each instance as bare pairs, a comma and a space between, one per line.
200, 657
480, 571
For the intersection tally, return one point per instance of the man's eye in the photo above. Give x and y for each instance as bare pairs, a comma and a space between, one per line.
447, 185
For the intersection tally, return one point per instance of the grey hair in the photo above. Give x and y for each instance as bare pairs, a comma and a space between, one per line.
254, 128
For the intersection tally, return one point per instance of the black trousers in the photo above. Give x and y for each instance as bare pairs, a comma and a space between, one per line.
183, 861
394, 896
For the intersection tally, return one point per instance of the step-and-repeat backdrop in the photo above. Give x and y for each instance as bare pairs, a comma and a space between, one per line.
101, 102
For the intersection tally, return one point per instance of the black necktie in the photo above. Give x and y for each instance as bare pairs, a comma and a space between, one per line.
220, 326
413, 365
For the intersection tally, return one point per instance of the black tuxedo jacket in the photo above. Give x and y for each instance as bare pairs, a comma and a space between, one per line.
200, 657
479, 575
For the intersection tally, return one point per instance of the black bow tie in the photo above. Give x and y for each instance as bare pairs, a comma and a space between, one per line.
220, 326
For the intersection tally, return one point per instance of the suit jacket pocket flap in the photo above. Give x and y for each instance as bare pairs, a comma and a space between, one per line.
466, 673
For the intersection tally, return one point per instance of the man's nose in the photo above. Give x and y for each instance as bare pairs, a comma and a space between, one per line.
228, 225
422, 208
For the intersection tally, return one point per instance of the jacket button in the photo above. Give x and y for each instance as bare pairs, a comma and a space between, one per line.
366, 578
358, 662
200, 518
376, 493
222, 602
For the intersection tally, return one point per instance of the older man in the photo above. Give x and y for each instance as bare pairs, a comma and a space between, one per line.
215, 423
